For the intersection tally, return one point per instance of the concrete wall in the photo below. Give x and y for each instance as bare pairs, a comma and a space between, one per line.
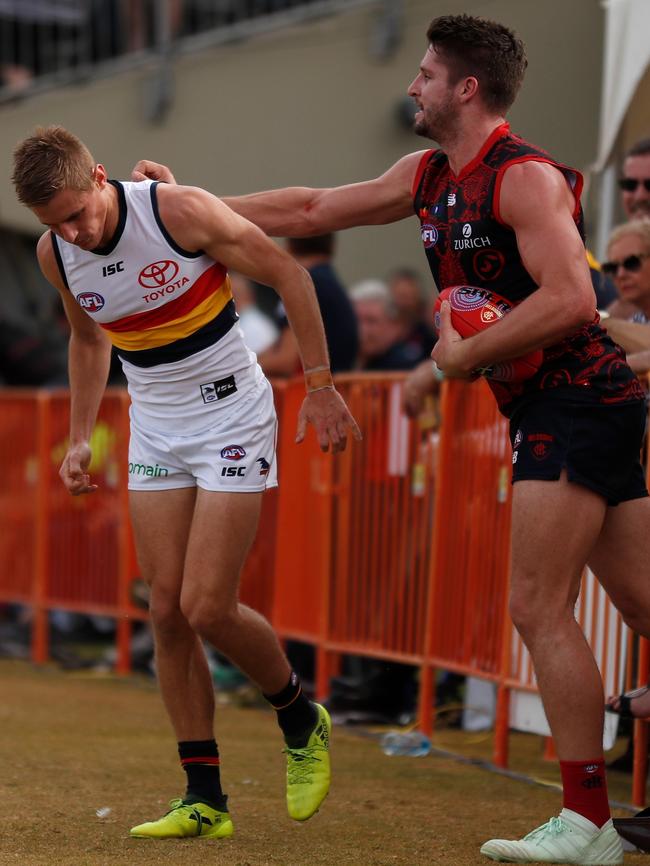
310, 106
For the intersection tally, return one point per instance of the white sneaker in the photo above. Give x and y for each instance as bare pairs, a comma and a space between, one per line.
571, 838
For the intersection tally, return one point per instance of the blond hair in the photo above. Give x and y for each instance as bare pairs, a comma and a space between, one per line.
51, 160
638, 228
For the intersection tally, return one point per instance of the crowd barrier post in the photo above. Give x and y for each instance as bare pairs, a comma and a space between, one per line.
442, 480
125, 559
40, 636
501, 745
321, 467
640, 761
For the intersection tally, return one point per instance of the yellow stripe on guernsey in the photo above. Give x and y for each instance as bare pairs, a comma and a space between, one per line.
176, 329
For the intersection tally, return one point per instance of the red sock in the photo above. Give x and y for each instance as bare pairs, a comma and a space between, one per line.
585, 789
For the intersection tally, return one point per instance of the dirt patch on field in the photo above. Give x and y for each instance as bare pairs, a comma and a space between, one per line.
73, 747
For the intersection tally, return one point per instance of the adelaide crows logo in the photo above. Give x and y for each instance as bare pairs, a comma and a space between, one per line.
264, 465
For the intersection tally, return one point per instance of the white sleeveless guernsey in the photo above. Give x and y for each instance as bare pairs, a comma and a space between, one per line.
170, 314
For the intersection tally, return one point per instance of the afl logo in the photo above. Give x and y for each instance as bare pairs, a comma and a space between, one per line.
429, 235
158, 274
91, 302
233, 452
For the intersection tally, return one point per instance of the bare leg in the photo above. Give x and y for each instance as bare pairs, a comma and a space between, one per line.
161, 522
222, 532
555, 527
621, 562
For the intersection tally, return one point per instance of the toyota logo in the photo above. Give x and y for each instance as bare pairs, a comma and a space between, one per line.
158, 274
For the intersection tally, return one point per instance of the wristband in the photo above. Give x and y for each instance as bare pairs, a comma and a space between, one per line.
437, 372
318, 379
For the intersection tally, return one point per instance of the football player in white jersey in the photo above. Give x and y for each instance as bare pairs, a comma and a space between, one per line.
144, 266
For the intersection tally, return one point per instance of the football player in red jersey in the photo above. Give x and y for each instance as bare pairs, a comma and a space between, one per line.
498, 212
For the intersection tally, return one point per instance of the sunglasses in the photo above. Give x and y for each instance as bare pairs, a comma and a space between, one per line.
629, 263
631, 184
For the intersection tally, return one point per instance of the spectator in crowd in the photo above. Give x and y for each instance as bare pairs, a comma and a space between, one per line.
413, 301
603, 286
628, 264
634, 184
259, 329
635, 181
315, 255
29, 31
382, 334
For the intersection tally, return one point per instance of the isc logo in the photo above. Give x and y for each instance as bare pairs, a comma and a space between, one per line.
115, 268
231, 471
90, 301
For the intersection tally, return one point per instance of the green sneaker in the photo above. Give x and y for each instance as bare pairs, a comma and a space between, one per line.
187, 820
570, 838
308, 770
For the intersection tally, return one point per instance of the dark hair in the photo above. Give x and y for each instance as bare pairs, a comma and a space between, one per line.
639, 148
484, 49
315, 245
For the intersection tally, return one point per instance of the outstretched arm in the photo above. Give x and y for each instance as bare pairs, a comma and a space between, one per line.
197, 220
301, 211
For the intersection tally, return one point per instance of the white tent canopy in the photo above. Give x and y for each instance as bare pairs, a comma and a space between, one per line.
626, 58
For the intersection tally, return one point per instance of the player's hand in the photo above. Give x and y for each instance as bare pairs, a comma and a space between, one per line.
74, 470
145, 169
326, 411
420, 382
449, 353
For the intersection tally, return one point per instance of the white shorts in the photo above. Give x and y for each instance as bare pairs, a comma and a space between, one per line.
236, 456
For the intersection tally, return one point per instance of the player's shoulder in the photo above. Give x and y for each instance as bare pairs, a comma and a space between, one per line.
45, 248
536, 169
48, 261
410, 162
535, 186
177, 202
532, 174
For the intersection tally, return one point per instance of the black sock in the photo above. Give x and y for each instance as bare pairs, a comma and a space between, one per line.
297, 716
200, 760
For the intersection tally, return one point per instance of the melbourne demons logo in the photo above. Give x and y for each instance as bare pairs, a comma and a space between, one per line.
429, 235
91, 302
540, 445
492, 312
158, 274
488, 264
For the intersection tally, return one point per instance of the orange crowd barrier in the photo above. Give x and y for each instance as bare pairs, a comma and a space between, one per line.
398, 548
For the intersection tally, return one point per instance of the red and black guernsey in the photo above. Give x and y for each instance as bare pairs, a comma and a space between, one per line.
467, 243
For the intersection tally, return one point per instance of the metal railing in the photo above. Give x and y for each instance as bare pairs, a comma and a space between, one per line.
45, 43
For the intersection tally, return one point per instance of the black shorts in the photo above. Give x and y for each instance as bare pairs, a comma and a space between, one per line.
598, 446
